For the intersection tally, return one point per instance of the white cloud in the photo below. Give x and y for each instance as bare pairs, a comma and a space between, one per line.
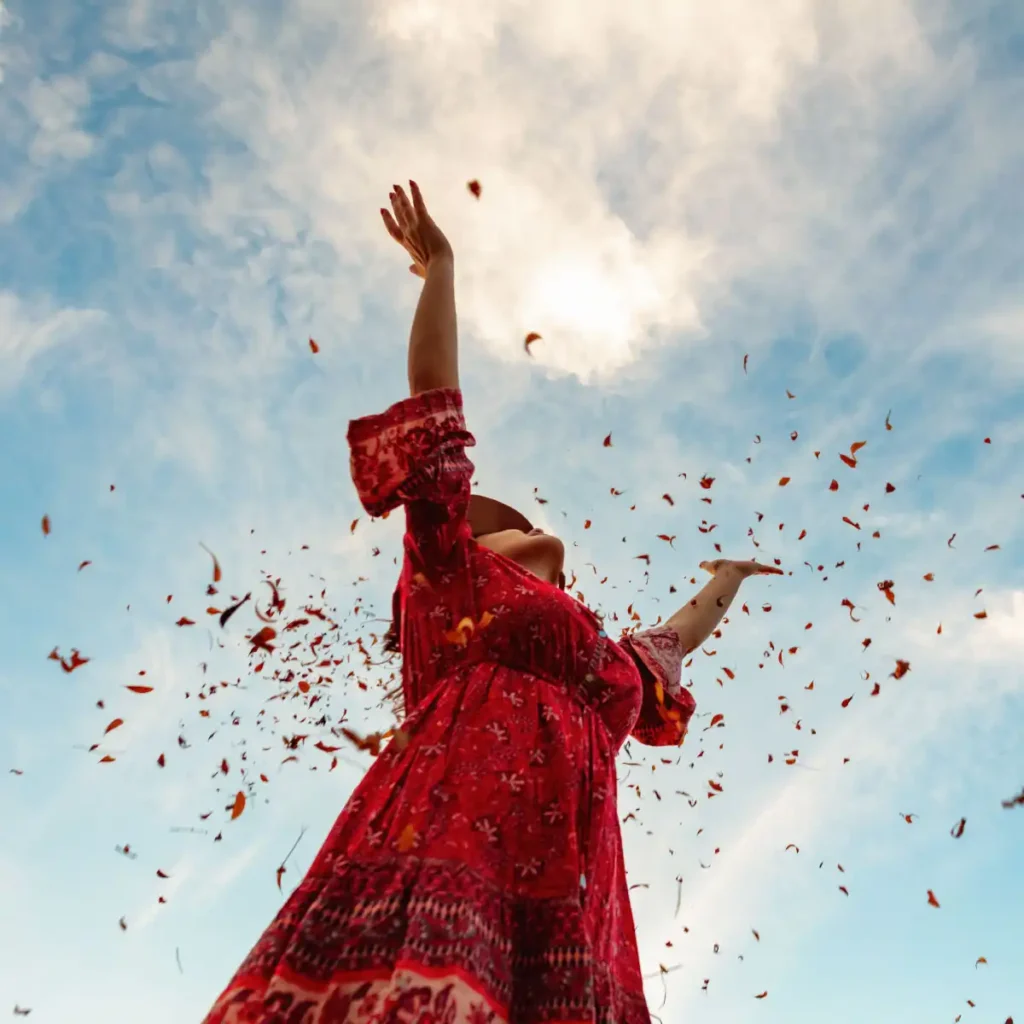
28, 329
56, 106
715, 99
14, 197
5, 19
40, 117
1005, 328
138, 25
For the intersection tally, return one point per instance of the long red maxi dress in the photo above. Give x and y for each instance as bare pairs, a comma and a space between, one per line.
476, 875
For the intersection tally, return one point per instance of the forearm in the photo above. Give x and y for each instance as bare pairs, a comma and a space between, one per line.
433, 341
700, 616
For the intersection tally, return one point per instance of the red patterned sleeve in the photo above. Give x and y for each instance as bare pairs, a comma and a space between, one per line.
667, 707
413, 454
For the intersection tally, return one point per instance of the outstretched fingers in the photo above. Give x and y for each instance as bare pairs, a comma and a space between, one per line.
403, 209
393, 229
417, 199
409, 224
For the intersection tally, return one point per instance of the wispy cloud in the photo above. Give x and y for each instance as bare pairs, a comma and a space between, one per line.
190, 192
29, 328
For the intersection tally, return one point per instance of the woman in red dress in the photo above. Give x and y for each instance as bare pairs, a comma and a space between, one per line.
476, 876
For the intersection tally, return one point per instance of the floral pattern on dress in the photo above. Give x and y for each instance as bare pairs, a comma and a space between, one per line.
475, 875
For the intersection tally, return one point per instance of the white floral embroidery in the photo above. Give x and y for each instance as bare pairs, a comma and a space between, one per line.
498, 731
553, 815
488, 829
515, 781
530, 869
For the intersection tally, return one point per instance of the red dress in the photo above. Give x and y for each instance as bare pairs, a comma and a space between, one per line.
475, 876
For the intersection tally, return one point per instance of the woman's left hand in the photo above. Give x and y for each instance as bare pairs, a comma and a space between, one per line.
744, 569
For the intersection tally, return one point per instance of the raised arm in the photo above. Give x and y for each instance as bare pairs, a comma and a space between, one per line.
667, 706
700, 616
433, 341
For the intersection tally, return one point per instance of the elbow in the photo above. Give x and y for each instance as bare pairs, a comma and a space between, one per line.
688, 640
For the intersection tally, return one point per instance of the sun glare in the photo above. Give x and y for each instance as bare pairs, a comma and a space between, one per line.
575, 296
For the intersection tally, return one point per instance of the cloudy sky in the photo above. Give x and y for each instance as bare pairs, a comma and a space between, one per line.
750, 236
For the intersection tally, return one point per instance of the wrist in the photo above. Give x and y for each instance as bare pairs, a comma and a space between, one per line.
443, 261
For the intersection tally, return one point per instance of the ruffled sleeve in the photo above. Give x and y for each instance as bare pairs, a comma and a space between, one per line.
667, 707
413, 454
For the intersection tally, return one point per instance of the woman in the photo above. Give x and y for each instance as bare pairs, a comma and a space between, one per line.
476, 875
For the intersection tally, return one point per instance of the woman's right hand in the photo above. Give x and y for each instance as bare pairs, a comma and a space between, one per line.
414, 229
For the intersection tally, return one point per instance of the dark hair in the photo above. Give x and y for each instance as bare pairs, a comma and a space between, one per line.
391, 641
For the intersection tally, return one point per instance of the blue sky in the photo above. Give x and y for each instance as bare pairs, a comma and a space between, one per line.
189, 191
